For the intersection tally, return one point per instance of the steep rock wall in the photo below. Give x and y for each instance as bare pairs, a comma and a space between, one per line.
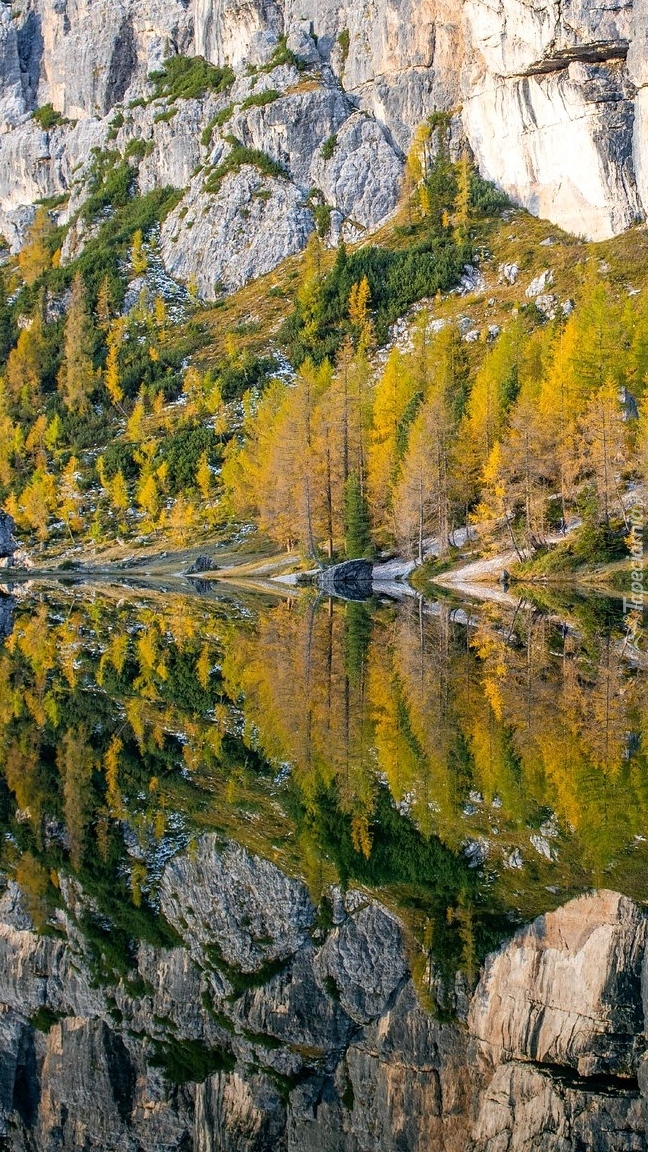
552, 99
550, 106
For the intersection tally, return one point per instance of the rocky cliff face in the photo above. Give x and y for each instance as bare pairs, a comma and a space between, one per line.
261, 1029
550, 97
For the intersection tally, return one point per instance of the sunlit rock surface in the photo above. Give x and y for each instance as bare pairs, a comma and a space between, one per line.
567, 990
552, 102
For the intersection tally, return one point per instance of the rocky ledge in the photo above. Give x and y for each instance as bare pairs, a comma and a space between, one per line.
260, 1029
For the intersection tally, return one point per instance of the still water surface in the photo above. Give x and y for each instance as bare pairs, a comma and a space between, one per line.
255, 851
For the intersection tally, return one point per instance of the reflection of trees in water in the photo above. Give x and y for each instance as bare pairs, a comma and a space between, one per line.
514, 730
369, 732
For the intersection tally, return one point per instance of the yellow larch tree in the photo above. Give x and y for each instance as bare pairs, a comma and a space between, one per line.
69, 497
34, 257
421, 499
111, 371
77, 377
25, 366
394, 393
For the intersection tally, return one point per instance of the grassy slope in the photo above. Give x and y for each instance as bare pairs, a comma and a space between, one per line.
255, 314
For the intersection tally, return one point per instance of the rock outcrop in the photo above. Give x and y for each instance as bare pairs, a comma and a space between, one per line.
582, 1008
8, 545
527, 1107
261, 1029
552, 96
351, 579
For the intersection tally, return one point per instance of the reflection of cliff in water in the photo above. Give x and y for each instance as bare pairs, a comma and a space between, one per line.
264, 1026
169, 765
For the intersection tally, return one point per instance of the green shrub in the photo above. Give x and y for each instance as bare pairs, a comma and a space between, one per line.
344, 40
182, 452
238, 157
485, 198
189, 1061
260, 99
138, 149
321, 211
102, 255
116, 123
189, 78
44, 1018
119, 456
245, 373
111, 184
328, 147
165, 117
216, 121
397, 279
282, 55
47, 117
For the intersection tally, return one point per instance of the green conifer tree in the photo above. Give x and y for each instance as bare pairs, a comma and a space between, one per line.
357, 526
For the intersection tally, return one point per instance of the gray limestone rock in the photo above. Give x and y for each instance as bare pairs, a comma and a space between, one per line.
363, 175
292, 129
364, 961
224, 241
7, 528
236, 1113
246, 906
12, 87
202, 564
294, 1007
525, 1107
334, 1050
551, 108
351, 578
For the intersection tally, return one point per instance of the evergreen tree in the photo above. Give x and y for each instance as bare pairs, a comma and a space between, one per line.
7, 330
439, 189
357, 525
462, 201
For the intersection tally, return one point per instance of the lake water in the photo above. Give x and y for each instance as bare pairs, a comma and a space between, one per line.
255, 851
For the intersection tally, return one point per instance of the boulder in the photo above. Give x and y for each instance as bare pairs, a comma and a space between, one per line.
8, 546
352, 579
202, 564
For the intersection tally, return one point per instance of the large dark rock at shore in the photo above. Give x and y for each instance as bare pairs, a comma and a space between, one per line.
202, 564
351, 579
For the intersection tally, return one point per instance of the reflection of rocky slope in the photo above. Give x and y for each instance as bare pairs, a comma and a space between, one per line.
309, 1037
552, 100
